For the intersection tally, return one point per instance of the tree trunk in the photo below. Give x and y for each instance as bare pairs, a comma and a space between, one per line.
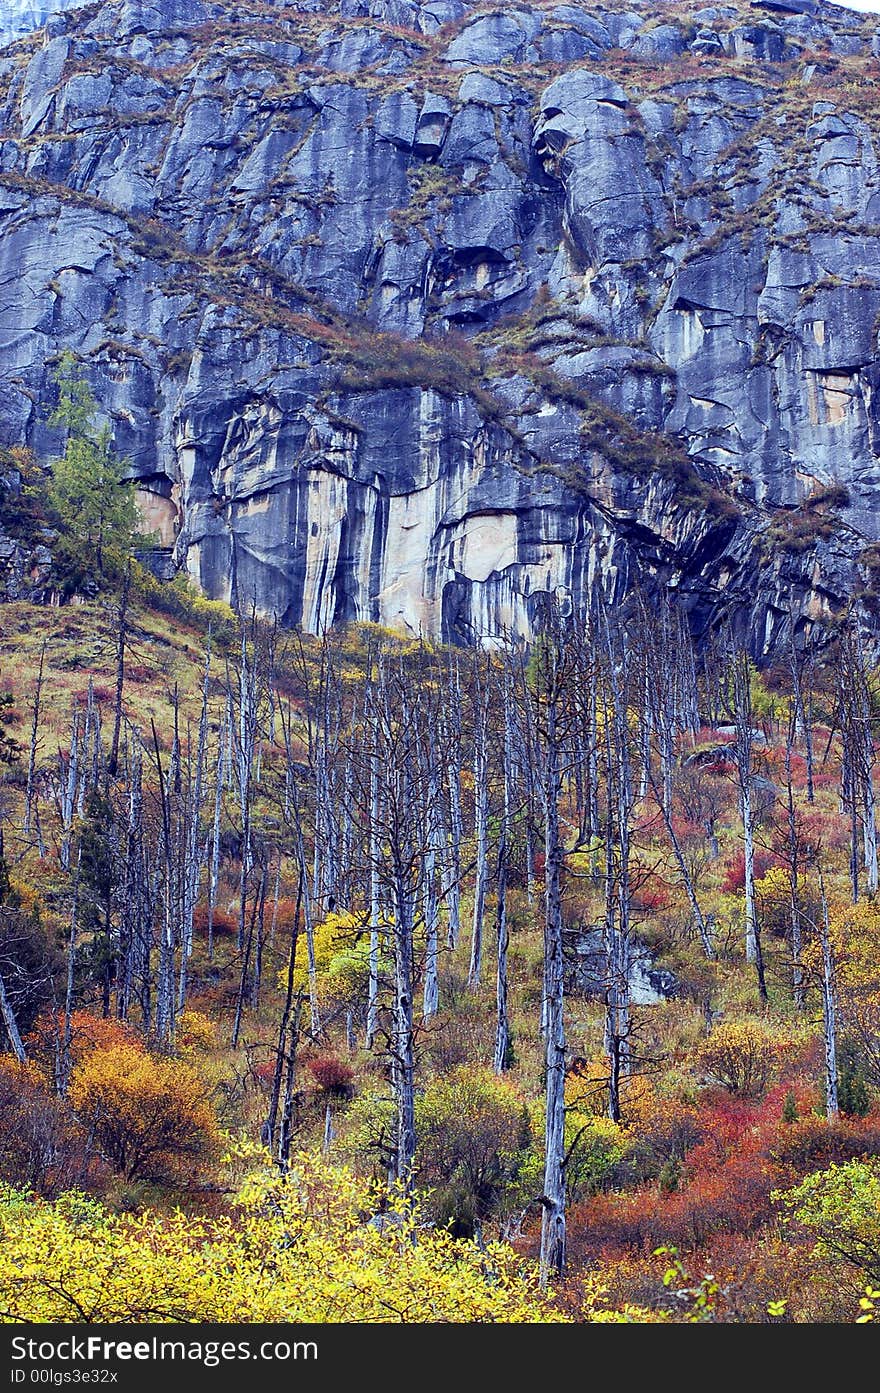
481, 815
501, 1060
113, 761
270, 1125
375, 906
11, 1025
32, 756
829, 1011
404, 1051
553, 1234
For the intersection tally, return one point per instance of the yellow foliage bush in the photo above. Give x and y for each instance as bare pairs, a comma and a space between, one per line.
334, 935
739, 1054
295, 1250
148, 1114
195, 1032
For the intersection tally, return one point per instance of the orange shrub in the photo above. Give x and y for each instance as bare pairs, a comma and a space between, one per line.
225, 924
87, 1033
148, 1114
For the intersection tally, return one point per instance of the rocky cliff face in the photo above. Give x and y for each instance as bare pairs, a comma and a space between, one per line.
19, 17
414, 313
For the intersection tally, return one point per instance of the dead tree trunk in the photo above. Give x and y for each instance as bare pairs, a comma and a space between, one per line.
121, 636
481, 816
503, 1042
741, 694
829, 1009
553, 1221
32, 755
9, 1021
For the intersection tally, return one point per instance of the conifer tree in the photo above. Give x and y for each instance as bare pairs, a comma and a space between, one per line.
89, 489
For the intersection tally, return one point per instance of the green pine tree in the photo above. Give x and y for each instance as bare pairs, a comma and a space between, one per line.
852, 1088
89, 490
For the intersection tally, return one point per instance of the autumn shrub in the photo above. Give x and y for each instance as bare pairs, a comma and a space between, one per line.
148, 1115
101, 693
812, 1143
739, 1055
338, 933
332, 1075
473, 1132
855, 940
715, 1190
88, 1033
294, 1249
285, 913
39, 1147
181, 600
735, 869
596, 1148
662, 1131
368, 1137
840, 1208
773, 891
139, 673
653, 894
225, 925
195, 1033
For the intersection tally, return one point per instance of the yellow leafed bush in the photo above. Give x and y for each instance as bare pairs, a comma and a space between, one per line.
148, 1114
739, 1054
295, 1250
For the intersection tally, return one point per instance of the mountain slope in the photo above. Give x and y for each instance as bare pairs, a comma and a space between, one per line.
412, 313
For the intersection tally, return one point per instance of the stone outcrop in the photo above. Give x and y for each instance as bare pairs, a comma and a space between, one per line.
417, 312
20, 17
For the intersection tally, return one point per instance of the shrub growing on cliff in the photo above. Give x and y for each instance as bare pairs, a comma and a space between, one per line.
89, 490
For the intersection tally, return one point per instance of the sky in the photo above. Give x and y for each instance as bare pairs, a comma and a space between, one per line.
866, 6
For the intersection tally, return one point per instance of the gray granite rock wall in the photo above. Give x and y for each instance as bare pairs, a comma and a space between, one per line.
414, 313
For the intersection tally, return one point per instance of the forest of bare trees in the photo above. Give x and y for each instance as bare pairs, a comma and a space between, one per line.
382, 787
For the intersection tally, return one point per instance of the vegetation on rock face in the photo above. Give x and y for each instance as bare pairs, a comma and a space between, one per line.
88, 487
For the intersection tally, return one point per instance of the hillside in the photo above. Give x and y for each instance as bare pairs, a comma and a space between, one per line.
405, 313
158, 972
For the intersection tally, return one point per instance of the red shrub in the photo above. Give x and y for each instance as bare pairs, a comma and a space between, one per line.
287, 912
720, 766
725, 1182
735, 869
332, 1075
653, 894
687, 831
225, 924
100, 692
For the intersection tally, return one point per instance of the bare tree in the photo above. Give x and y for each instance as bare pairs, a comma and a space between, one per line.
739, 676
